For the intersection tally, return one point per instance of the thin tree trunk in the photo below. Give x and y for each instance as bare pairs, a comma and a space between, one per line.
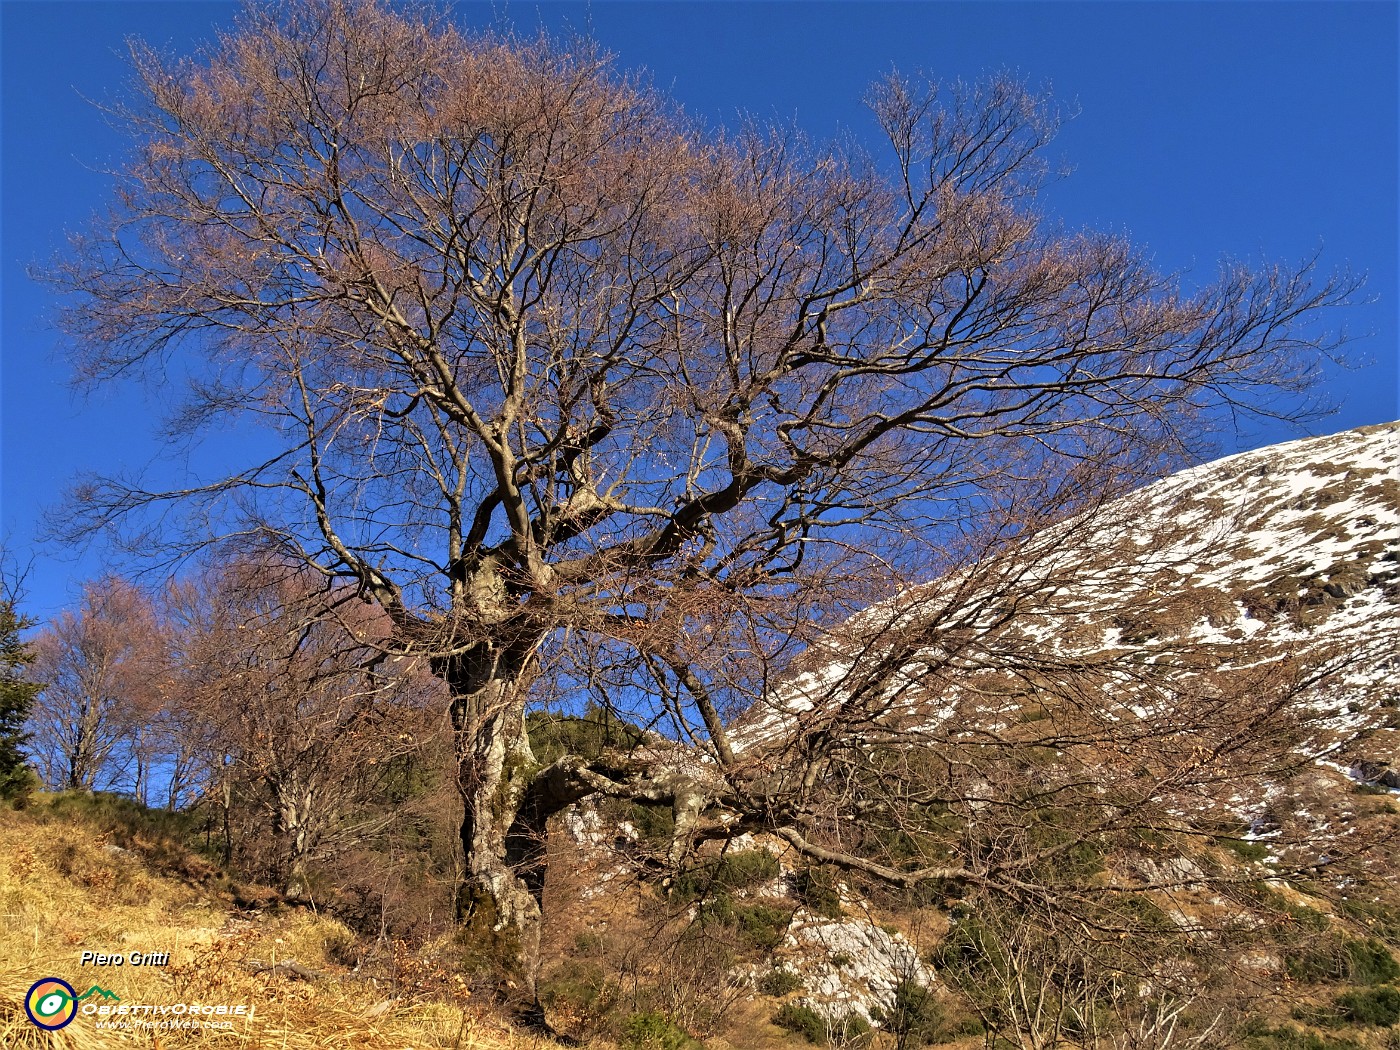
140, 788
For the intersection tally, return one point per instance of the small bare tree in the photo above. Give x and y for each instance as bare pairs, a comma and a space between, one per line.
592, 400
301, 714
101, 668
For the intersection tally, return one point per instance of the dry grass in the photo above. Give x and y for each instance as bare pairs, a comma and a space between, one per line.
66, 889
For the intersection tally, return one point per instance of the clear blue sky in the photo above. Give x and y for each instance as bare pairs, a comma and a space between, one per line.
1256, 130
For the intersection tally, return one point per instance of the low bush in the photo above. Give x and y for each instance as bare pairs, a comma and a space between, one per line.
1381, 918
916, 1016
739, 870
851, 1030
803, 1020
1371, 962
1366, 961
653, 1031
1286, 1037
1370, 1007
778, 983
816, 889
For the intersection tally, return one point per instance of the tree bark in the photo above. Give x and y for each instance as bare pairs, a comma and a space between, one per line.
295, 813
504, 881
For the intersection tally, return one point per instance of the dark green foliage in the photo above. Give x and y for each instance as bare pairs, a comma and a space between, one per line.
806, 1022
916, 1016
1246, 849
761, 926
1382, 918
1301, 916
739, 870
655, 822
1322, 965
1370, 1007
816, 889
758, 926
969, 949
778, 983
1371, 962
803, 1020
852, 1029
713, 882
17, 781
1286, 1037
652, 1031
1357, 961
597, 730
1140, 914
1076, 857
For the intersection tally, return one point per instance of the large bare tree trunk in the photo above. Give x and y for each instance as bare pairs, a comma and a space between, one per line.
501, 897
295, 809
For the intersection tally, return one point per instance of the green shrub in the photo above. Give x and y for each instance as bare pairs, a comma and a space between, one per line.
853, 1028
916, 1016
1139, 913
653, 1031
1359, 961
806, 1022
761, 926
758, 926
778, 983
655, 822
1286, 1037
742, 869
1370, 1007
1382, 918
816, 889
1246, 849
803, 1020
554, 735
1371, 962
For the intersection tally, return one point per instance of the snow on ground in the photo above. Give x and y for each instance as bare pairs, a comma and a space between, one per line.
1294, 547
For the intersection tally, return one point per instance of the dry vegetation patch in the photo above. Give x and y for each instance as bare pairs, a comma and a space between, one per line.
66, 887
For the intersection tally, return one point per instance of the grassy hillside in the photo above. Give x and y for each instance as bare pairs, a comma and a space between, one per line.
100, 874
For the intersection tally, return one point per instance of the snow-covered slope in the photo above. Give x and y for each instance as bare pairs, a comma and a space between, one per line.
1303, 535
1286, 552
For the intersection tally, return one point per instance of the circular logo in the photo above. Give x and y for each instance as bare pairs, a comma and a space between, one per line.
51, 1003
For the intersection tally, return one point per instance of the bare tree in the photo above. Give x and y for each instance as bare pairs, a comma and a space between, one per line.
285, 696
590, 398
100, 668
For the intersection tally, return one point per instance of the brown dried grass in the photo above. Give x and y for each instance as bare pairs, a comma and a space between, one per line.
65, 890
